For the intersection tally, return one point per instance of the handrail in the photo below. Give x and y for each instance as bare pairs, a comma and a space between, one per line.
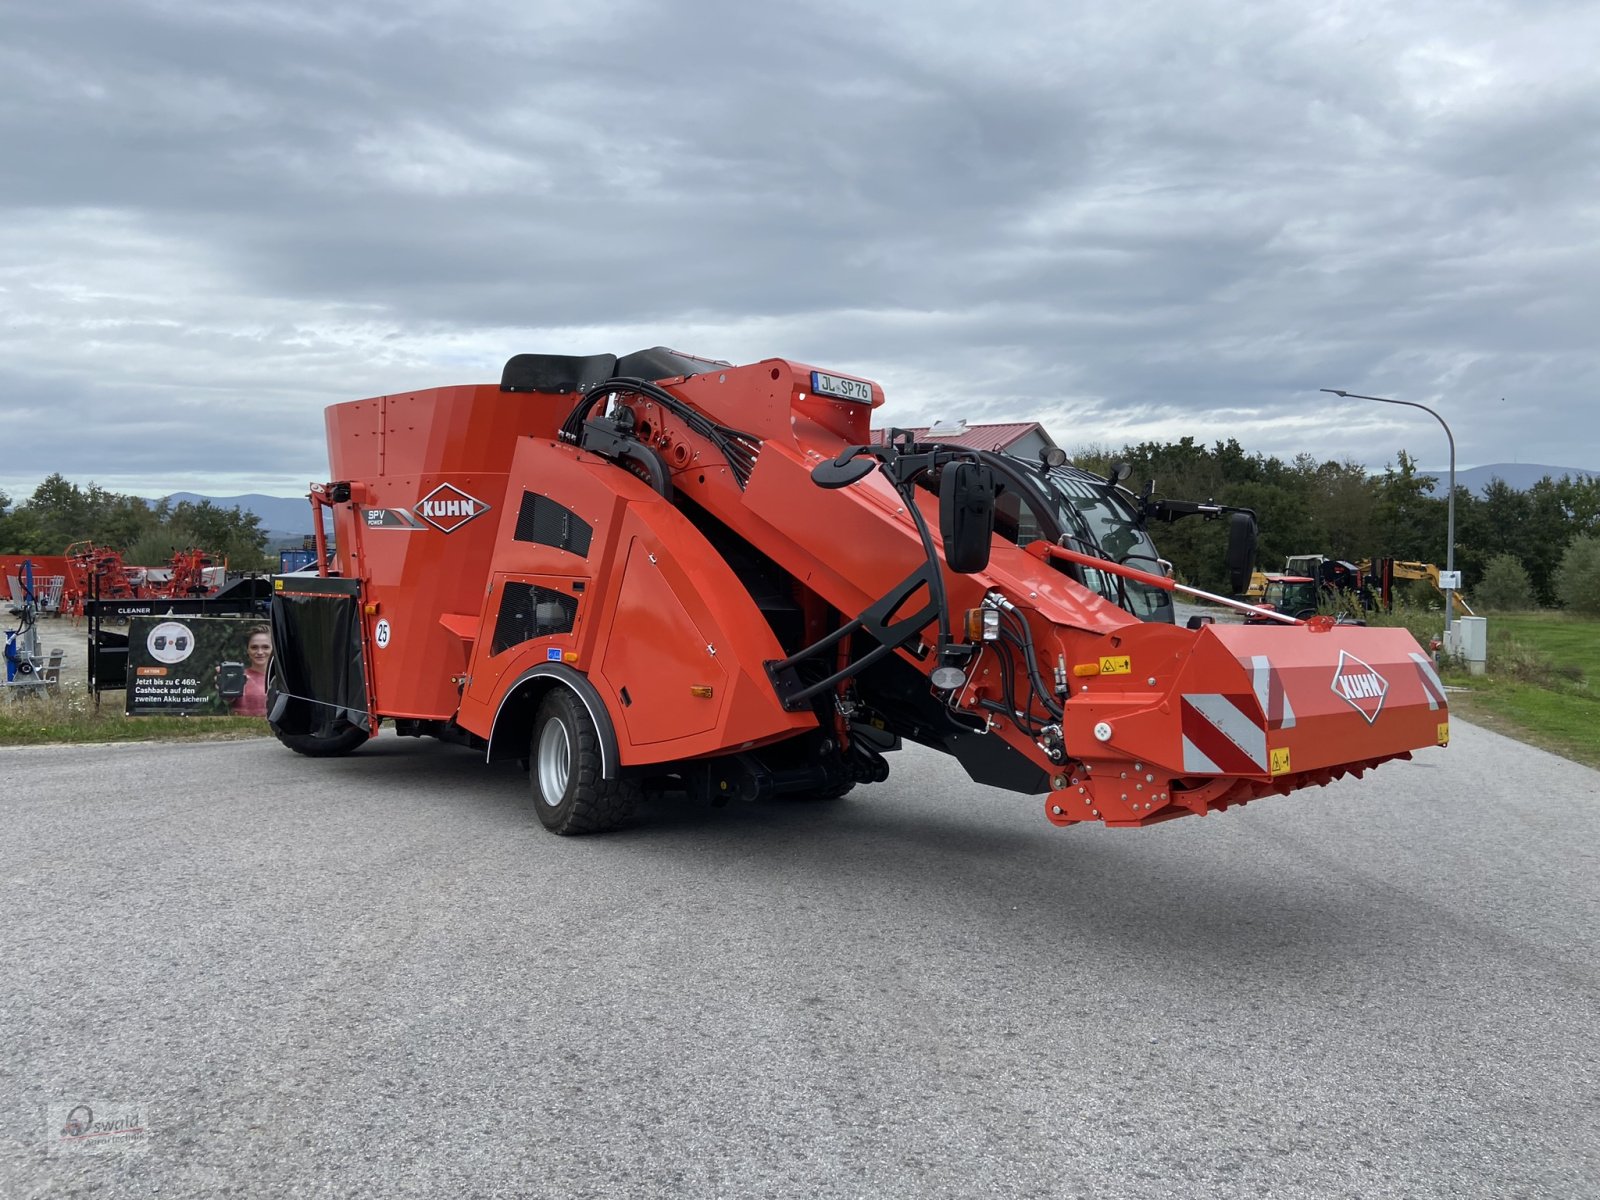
1046, 550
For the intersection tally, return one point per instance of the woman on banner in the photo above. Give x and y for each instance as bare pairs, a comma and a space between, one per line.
252, 702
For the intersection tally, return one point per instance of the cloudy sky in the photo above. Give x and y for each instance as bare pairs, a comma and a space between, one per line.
1130, 221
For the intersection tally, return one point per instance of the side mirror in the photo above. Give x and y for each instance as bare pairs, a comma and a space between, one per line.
966, 515
1241, 550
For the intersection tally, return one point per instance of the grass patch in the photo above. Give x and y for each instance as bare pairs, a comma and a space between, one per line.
1531, 714
1571, 645
70, 716
1541, 683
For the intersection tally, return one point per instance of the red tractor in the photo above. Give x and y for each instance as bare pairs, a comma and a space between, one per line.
662, 572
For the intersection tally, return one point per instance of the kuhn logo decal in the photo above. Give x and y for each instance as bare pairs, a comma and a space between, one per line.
1360, 686
447, 508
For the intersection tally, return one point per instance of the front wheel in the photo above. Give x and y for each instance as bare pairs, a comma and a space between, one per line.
569, 790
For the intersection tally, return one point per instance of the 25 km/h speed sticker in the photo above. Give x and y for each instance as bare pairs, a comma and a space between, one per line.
380, 634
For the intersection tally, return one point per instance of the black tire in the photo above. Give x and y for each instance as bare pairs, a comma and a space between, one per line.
340, 742
565, 771
343, 738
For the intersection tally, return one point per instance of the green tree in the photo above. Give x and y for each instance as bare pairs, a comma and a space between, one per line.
230, 533
1577, 579
115, 519
60, 512
1409, 521
1547, 534
1505, 586
1580, 501
156, 548
1343, 504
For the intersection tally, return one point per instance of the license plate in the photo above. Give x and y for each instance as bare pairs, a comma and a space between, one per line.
841, 388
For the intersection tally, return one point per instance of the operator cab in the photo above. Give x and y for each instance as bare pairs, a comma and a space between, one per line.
1071, 507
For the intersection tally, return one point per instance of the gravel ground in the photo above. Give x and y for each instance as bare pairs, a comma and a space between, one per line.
380, 976
59, 632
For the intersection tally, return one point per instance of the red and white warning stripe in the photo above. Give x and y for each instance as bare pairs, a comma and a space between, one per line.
1221, 736
1430, 680
1269, 691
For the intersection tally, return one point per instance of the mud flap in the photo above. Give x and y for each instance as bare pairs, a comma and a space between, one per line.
317, 682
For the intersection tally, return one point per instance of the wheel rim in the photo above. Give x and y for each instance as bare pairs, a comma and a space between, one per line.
555, 762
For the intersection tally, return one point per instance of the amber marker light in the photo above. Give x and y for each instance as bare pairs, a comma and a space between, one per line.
983, 624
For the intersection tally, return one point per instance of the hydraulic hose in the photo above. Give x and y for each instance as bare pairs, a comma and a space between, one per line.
738, 447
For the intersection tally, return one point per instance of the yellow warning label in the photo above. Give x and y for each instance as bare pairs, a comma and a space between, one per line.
1117, 664
277, 585
1278, 761
1444, 733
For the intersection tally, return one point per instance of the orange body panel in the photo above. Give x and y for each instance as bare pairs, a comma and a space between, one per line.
654, 629
418, 578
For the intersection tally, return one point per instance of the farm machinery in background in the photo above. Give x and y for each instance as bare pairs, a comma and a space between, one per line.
1313, 582
97, 572
1308, 585
661, 573
1383, 573
100, 573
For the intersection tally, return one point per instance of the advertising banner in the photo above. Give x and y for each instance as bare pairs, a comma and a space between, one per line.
198, 666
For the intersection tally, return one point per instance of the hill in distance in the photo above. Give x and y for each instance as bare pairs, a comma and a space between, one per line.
1519, 477
285, 516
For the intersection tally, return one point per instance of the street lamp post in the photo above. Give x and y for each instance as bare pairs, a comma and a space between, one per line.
1450, 504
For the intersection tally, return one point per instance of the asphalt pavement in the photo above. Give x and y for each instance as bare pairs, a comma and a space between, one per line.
379, 976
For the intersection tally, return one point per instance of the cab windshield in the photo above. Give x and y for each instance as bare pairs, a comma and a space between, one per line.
1085, 514
1099, 519
1290, 595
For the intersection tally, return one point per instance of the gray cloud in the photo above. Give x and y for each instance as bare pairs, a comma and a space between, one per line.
1136, 221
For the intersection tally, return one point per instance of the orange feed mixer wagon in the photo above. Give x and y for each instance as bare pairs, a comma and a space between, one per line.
662, 573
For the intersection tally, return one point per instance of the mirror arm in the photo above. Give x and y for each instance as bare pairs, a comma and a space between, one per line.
1174, 510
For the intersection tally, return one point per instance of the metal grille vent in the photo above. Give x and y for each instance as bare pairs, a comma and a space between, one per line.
528, 612
542, 520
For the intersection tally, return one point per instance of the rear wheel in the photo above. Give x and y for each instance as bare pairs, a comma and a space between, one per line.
569, 790
342, 740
